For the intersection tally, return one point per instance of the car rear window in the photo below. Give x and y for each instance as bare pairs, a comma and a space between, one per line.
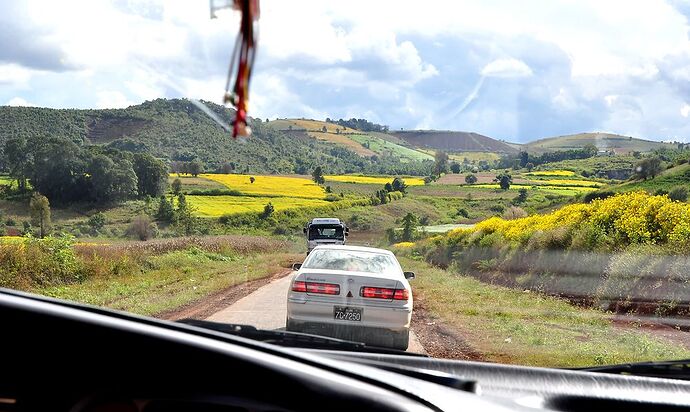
351, 260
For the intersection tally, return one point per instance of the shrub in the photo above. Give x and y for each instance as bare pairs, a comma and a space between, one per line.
600, 194
514, 212
464, 213
497, 208
10, 222
678, 193
97, 221
142, 228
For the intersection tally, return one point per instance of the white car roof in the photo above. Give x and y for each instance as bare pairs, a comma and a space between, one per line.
354, 248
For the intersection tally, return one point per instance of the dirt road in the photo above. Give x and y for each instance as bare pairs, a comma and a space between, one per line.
266, 308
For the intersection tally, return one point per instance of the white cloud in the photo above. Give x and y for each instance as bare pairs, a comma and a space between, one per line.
18, 101
685, 110
14, 74
506, 68
112, 99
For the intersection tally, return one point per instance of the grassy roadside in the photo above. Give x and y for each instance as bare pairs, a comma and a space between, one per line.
512, 326
172, 280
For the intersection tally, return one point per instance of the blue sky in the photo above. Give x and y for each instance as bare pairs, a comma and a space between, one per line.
511, 70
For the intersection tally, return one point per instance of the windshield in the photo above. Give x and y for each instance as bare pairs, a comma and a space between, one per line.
326, 232
339, 259
527, 163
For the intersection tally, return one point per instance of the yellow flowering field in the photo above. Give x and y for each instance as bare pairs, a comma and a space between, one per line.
558, 190
215, 206
563, 173
627, 218
374, 180
278, 186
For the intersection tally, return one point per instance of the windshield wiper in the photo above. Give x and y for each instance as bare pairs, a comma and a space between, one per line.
676, 369
290, 339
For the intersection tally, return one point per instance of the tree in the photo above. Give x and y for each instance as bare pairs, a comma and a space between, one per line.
176, 186
227, 168
455, 167
18, 158
60, 171
521, 197
40, 213
648, 167
409, 227
471, 179
324, 129
109, 180
317, 175
399, 185
388, 187
440, 163
184, 215
268, 211
195, 168
529, 166
504, 180
252, 179
524, 159
166, 211
152, 175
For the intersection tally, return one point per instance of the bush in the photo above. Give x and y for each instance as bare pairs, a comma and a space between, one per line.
497, 208
142, 228
599, 194
97, 221
464, 213
678, 193
39, 262
514, 212
10, 222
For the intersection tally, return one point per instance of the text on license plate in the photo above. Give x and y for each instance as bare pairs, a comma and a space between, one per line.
347, 313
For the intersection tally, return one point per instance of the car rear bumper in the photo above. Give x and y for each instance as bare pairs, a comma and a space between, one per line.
308, 311
393, 338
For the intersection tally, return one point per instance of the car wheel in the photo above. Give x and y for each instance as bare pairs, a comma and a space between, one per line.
290, 326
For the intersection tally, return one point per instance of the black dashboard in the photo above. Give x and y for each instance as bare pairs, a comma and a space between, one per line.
66, 357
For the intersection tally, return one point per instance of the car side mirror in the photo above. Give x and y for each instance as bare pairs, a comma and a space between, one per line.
304, 230
409, 275
347, 231
296, 266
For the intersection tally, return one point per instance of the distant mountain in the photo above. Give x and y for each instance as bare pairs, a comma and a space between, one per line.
450, 141
176, 129
603, 141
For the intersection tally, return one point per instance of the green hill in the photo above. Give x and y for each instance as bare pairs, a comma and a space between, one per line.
603, 141
175, 129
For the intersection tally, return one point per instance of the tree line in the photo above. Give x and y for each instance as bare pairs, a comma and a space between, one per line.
66, 172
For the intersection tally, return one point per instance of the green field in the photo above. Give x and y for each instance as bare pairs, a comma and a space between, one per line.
383, 147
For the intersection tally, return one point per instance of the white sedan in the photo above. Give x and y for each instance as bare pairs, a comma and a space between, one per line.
354, 293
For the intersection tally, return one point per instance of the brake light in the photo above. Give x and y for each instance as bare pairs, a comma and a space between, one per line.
383, 293
299, 286
316, 287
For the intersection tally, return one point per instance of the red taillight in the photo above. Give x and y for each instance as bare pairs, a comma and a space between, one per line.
299, 286
383, 293
315, 287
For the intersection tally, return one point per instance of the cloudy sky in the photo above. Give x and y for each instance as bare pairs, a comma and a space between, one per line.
515, 70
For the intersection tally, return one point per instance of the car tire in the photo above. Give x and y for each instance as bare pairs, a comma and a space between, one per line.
290, 326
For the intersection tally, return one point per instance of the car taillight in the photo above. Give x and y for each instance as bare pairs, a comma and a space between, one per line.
383, 293
316, 287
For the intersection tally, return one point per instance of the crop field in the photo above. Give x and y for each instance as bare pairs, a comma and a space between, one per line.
342, 140
567, 182
317, 125
382, 147
560, 173
556, 190
374, 180
215, 206
269, 186
459, 157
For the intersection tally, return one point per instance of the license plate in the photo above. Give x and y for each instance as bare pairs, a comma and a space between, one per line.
347, 313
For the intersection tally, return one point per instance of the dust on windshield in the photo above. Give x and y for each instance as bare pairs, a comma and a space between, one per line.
528, 168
